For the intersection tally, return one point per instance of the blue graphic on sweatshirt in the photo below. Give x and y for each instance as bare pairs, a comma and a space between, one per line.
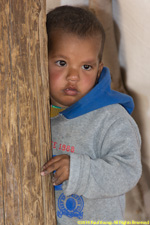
70, 206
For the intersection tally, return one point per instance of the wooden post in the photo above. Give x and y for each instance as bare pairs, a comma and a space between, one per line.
25, 196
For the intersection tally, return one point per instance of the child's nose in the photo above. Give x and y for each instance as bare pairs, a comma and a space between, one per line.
73, 75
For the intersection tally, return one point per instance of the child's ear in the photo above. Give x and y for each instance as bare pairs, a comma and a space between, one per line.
100, 67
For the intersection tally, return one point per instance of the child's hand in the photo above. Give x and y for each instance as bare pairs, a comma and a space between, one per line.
60, 164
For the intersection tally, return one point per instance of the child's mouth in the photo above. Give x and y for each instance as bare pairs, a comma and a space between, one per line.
71, 91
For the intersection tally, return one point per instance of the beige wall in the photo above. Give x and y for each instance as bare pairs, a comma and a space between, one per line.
132, 20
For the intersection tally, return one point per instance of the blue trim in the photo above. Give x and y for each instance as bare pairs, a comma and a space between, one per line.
58, 187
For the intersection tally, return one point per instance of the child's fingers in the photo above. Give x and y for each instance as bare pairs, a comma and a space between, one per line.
54, 159
59, 179
61, 175
50, 168
59, 163
56, 179
50, 162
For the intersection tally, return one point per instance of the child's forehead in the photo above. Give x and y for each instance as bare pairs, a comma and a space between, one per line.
59, 38
62, 34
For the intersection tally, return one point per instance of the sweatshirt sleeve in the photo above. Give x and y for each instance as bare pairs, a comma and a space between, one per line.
116, 171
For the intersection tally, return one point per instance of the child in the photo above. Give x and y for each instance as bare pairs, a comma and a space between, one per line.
96, 143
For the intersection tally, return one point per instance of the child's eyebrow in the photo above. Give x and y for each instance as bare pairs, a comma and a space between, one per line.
59, 56
89, 62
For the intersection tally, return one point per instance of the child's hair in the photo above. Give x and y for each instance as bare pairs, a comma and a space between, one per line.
79, 21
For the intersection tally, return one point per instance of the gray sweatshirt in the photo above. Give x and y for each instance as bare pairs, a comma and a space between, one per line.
104, 148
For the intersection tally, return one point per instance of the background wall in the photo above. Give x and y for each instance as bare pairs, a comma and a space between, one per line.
127, 54
133, 40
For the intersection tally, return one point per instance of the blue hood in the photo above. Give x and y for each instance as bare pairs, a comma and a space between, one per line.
101, 95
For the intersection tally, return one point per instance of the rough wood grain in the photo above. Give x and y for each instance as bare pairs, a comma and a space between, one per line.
25, 197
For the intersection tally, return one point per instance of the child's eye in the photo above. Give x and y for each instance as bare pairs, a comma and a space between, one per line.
86, 67
61, 63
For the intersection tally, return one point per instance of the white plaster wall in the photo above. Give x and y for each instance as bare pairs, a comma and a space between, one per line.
132, 18
75, 2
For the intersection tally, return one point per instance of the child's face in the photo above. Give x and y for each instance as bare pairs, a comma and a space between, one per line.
73, 67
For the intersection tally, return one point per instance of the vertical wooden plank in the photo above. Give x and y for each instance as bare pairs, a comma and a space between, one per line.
25, 197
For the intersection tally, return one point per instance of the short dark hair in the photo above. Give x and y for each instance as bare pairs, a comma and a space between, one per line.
79, 21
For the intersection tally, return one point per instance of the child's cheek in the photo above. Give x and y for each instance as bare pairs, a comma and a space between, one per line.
54, 72
55, 76
89, 81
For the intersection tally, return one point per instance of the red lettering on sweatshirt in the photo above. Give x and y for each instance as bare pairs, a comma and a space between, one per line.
63, 147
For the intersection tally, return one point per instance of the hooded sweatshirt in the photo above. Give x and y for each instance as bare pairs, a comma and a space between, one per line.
103, 142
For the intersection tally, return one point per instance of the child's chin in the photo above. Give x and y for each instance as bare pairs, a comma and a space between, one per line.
69, 103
